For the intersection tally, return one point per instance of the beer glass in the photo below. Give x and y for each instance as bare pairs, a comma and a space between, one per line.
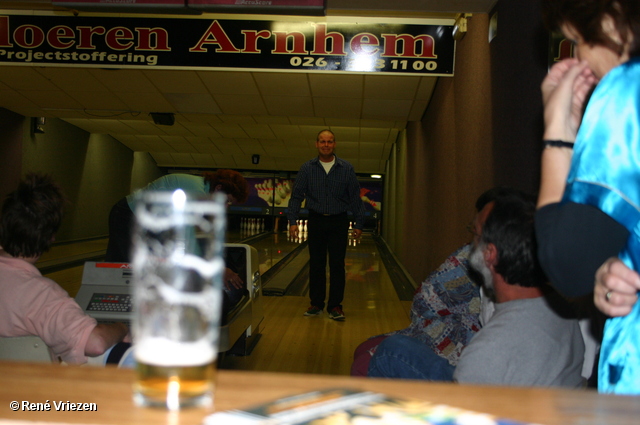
177, 268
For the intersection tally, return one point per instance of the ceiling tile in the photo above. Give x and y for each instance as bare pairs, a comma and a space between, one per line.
198, 129
198, 118
417, 110
347, 149
88, 125
393, 135
273, 146
390, 87
162, 158
310, 132
124, 80
426, 87
331, 85
331, 107
346, 134
289, 105
234, 83
73, 79
231, 131
144, 127
269, 119
11, 99
105, 102
302, 154
275, 84
204, 160
25, 78
208, 149
304, 122
374, 135
369, 166
183, 159
241, 104
194, 103
286, 131
387, 151
378, 123
176, 81
372, 150
342, 122
386, 109
238, 119
227, 146
248, 144
146, 101
258, 131
52, 99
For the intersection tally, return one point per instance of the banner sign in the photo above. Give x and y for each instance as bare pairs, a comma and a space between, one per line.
311, 7
206, 43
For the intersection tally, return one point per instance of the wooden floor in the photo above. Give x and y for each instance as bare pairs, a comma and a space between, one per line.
291, 342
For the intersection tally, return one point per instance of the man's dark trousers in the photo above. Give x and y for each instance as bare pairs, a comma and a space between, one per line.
327, 234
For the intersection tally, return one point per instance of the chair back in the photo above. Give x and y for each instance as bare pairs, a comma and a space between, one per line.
24, 348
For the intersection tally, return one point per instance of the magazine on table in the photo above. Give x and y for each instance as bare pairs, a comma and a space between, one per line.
341, 406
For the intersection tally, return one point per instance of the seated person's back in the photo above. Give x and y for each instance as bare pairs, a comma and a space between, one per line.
525, 342
31, 304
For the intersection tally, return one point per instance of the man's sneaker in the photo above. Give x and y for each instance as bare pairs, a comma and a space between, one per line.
313, 311
337, 314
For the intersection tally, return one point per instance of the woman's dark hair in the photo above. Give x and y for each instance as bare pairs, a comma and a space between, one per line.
510, 227
586, 16
231, 182
31, 216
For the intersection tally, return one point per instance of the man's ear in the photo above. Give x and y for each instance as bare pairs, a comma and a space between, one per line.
490, 254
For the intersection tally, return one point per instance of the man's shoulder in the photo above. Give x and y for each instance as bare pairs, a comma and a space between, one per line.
310, 162
343, 162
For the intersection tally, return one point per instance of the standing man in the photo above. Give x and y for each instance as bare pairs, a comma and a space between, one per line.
331, 188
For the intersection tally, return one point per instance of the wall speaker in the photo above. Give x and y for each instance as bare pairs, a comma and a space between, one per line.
163, 118
37, 124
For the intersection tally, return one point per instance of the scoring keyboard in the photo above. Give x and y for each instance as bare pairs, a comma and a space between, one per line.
110, 302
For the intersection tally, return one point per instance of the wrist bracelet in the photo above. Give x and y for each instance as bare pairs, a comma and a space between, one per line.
557, 144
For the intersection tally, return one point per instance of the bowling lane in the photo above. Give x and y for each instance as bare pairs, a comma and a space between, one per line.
294, 343
272, 247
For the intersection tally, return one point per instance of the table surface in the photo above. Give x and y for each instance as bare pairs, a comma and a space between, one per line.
111, 390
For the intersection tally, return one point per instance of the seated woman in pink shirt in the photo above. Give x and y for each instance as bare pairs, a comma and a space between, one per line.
31, 304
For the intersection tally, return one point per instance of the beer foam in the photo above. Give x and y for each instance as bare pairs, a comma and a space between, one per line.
164, 352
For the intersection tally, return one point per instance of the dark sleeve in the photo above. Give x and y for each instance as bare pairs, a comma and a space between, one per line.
573, 241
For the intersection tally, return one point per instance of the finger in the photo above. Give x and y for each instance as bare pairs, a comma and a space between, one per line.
613, 311
618, 299
625, 275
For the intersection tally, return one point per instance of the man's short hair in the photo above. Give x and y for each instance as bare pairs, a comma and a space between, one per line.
31, 216
326, 130
510, 227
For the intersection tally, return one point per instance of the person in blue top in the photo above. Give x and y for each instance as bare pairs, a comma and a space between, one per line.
588, 219
121, 217
331, 188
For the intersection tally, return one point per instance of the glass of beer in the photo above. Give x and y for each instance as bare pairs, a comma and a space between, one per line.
177, 268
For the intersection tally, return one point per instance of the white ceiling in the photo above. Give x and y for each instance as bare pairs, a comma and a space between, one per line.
224, 117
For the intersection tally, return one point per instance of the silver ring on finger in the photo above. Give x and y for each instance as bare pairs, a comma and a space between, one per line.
607, 296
